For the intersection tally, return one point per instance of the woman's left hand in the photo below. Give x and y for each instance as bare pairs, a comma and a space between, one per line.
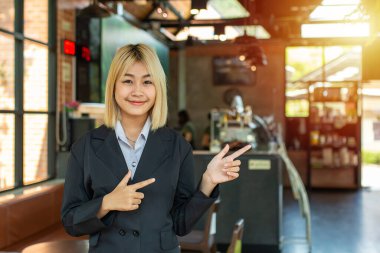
224, 168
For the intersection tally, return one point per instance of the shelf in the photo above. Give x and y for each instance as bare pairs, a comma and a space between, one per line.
333, 101
334, 178
334, 118
320, 147
332, 123
348, 167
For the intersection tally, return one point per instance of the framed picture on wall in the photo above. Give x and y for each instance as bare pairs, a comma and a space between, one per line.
229, 70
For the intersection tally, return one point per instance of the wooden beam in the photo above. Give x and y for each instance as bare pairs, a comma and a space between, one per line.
207, 22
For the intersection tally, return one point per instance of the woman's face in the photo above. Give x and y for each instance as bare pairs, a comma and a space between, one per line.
135, 92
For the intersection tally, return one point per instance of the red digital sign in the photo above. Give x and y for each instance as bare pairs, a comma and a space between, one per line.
69, 47
86, 54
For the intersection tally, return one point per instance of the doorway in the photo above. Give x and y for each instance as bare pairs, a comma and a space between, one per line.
371, 135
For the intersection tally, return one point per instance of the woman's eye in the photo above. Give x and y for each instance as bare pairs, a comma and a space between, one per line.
127, 81
147, 82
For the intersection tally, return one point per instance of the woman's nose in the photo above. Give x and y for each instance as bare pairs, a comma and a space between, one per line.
137, 87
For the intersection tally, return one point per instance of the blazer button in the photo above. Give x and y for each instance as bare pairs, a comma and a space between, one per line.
122, 232
135, 233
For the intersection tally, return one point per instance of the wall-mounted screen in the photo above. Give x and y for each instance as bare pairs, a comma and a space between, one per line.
230, 70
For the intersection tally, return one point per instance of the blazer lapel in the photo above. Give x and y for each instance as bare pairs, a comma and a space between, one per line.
111, 155
154, 153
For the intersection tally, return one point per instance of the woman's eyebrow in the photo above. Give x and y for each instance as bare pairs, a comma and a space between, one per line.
131, 75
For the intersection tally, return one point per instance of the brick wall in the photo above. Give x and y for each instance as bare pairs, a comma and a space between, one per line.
7, 14
66, 12
36, 19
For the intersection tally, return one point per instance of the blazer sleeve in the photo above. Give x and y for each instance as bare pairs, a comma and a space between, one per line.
189, 202
79, 208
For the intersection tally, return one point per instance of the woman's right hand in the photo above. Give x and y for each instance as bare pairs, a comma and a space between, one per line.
124, 197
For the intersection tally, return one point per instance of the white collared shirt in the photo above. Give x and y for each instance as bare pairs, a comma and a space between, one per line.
132, 155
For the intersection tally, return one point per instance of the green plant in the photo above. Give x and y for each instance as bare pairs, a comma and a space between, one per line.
371, 157
72, 106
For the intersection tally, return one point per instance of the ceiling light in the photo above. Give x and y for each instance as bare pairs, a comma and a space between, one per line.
194, 11
161, 9
219, 33
197, 6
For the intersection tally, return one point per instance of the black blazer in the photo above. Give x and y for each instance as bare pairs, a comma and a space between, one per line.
171, 205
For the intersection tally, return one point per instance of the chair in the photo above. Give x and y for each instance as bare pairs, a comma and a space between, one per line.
201, 240
237, 236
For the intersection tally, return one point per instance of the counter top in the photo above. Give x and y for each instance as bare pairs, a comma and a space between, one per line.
206, 152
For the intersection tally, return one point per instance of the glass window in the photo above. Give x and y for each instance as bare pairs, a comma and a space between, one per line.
35, 148
7, 98
303, 64
7, 147
35, 77
343, 63
333, 30
32, 88
36, 19
334, 12
312, 64
297, 104
7, 15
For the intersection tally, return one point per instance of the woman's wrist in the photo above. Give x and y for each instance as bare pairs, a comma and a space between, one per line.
207, 185
104, 207
106, 203
208, 179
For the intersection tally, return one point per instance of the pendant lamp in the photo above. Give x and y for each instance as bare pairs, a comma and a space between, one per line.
251, 51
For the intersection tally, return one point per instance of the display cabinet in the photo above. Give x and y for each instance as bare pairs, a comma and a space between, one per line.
334, 131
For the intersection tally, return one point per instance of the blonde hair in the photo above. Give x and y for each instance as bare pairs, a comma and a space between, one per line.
125, 57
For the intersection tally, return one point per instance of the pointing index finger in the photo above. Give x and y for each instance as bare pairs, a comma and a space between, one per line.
240, 152
144, 183
224, 151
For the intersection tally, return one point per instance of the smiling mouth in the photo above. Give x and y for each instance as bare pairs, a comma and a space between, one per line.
137, 102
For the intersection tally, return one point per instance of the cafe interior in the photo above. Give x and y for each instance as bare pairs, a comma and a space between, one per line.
298, 80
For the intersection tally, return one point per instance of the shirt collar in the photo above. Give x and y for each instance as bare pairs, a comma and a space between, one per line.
144, 132
146, 128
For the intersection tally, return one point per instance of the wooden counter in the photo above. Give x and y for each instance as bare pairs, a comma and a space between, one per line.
256, 196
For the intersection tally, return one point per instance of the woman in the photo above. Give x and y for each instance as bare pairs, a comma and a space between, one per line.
129, 183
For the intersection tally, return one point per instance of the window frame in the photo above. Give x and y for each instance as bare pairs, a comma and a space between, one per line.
19, 112
323, 45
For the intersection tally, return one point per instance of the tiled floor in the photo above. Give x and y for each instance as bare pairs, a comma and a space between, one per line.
342, 222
